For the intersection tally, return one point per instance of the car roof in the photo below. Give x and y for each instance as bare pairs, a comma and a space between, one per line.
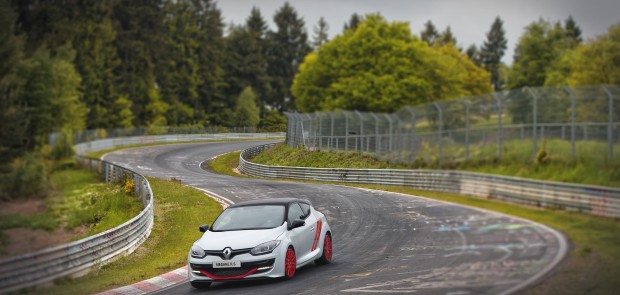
274, 201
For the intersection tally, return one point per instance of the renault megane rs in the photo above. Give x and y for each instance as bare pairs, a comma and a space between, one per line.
260, 239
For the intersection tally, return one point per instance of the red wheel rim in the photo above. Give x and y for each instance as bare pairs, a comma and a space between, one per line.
327, 248
290, 263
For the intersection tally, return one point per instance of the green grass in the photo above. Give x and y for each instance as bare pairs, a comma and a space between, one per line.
85, 200
99, 154
179, 210
594, 259
79, 198
223, 164
513, 164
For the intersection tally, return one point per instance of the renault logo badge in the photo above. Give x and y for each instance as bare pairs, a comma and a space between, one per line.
227, 253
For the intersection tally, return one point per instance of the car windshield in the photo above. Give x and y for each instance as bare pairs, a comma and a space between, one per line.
250, 217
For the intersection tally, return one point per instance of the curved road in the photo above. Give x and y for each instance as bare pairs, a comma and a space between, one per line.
383, 242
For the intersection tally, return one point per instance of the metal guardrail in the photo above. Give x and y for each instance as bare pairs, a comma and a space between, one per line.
110, 143
595, 200
76, 258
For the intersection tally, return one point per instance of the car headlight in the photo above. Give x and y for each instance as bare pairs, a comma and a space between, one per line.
265, 248
197, 252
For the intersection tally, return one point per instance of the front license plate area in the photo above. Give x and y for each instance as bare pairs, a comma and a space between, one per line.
226, 264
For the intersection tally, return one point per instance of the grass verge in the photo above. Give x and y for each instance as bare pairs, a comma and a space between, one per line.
79, 199
179, 210
593, 262
554, 170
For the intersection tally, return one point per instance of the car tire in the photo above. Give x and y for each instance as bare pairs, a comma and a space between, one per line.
200, 285
290, 263
326, 256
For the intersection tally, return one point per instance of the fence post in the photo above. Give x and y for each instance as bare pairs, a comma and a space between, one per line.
389, 134
331, 137
400, 138
413, 134
310, 127
377, 137
610, 124
572, 122
346, 131
439, 152
466, 104
361, 135
534, 121
500, 132
320, 133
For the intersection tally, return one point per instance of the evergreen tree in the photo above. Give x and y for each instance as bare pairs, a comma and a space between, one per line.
353, 22
256, 23
210, 58
493, 50
247, 113
320, 33
572, 30
474, 54
287, 48
446, 37
97, 61
140, 30
430, 33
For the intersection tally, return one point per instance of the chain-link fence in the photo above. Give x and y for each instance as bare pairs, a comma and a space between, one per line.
525, 124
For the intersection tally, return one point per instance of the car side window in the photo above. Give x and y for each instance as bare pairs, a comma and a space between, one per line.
294, 212
306, 209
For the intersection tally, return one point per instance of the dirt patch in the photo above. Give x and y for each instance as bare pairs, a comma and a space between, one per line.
22, 207
22, 240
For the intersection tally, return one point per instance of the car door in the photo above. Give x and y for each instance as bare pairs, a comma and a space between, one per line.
302, 237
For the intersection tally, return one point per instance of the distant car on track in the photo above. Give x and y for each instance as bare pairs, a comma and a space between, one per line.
268, 238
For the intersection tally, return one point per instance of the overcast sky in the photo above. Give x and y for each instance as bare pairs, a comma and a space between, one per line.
468, 19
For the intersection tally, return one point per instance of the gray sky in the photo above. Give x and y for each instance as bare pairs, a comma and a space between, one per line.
468, 19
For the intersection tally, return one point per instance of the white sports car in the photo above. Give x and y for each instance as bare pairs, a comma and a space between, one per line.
260, 239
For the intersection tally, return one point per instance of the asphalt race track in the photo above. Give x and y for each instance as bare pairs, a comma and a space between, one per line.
383, 242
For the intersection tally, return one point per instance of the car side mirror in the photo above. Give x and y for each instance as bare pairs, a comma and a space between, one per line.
297, 223
203, 228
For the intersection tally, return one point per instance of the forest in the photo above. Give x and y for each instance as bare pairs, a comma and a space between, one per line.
72, 65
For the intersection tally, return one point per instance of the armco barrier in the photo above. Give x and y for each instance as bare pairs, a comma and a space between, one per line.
110, 143
76, 258
596, 200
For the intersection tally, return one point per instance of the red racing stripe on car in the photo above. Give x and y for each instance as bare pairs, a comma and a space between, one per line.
217, 278
317, 235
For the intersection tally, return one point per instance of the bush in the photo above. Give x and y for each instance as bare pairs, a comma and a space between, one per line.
63, 147
28, 178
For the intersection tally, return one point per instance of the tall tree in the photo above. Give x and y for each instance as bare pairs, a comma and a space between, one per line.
446, 37
493, 50
287, 47
572, 30
430, 33
320, 33
97, 60
474, 54
211, 55
540, 46
139, 26
382, 67
353, 22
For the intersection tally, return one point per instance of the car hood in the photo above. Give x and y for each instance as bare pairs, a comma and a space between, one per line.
239, 239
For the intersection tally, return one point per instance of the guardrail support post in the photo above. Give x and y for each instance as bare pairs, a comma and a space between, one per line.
534, 121
610, 124
572, 122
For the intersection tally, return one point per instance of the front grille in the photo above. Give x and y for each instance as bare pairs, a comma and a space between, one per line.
237, 271
220, 254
